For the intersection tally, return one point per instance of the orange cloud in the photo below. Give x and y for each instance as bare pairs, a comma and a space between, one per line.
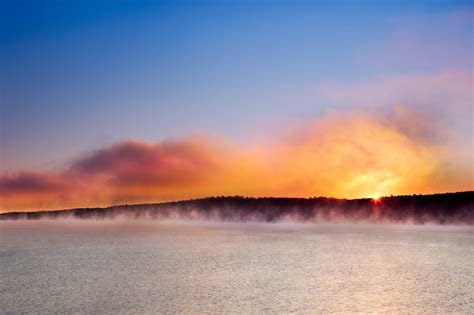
341, 155
348, 155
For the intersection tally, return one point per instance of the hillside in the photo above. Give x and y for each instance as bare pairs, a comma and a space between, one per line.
447, 208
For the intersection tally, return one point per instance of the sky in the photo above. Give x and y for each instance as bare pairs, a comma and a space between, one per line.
112, 102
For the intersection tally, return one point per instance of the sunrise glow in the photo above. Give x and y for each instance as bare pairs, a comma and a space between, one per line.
255, 116
376, 199
236, 157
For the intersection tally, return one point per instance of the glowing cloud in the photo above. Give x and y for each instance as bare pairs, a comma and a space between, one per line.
342, 155
350, 155
404, 139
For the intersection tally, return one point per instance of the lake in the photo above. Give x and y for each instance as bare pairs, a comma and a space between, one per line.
119, 267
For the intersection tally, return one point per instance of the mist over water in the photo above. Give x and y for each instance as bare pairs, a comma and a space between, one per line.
119, 267
443, 209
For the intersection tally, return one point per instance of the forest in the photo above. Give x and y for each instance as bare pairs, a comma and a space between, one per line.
446, 208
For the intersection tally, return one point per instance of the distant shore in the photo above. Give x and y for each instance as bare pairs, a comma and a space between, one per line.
447, 208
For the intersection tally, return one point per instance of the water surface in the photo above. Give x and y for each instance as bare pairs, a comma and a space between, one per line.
129, 268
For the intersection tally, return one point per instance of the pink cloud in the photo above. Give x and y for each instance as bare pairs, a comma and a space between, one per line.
31, 183
133, 163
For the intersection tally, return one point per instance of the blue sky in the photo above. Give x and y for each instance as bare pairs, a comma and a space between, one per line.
77, 75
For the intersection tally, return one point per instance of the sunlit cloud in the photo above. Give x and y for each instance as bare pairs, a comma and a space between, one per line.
435, 110
344, 154
409, 134
353, 155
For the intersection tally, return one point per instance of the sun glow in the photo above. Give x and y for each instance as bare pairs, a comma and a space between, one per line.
354, 154
376, 198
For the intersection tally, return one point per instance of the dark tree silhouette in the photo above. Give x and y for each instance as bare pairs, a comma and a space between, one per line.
448, 208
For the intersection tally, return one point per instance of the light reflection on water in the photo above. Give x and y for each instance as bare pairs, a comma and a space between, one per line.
119, 267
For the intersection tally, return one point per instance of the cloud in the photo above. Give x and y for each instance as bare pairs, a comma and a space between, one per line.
31, 183
351, 154
409, 134
133, 163
344, 154
434, 107
34, 190
128, 171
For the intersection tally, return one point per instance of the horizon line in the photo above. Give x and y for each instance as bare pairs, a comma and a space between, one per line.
234, 196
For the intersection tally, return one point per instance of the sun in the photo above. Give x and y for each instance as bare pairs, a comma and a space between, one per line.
376, 198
